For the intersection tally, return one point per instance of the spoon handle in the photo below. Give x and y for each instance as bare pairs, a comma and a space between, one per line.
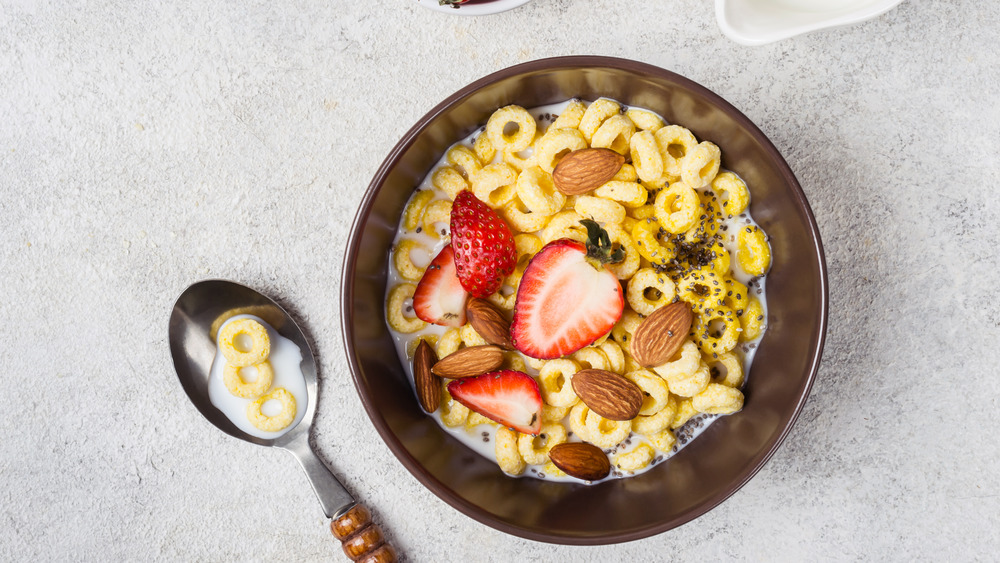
362, 539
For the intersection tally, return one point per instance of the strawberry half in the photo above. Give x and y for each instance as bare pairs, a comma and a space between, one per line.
439, 297
568, 298
508, 397
484, 245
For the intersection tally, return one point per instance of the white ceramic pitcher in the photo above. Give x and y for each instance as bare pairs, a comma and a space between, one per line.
756, 22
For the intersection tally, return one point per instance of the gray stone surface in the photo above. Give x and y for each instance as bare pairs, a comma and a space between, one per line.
146, 145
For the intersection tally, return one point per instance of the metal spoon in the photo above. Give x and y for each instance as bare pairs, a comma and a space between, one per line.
194, 321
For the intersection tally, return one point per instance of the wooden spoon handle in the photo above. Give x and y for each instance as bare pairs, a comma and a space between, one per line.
362, 539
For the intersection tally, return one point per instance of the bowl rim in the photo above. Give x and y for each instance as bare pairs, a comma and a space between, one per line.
347, 296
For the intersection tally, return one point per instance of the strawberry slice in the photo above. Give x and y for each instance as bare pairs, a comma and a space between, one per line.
568, 298
439, 297
484, 245
508, 397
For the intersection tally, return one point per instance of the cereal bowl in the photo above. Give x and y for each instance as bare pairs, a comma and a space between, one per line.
710, 468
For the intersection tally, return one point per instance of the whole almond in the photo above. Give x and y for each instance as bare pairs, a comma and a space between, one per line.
586, 169
467, 362
608, 394
581, 460
428, 385
660, 334
489, 322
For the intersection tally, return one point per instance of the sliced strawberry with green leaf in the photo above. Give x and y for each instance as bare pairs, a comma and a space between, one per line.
511, 398
568, 298
484, 246
440, 298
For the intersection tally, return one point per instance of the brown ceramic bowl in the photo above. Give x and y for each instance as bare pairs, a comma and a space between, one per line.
709, 469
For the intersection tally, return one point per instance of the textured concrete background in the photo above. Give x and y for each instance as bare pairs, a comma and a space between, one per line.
146, 145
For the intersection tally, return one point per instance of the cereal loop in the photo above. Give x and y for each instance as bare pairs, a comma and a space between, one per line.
690, 385
403, 261
240, 387
625, 327
737, 296
538, 192
616, 358
645, 119
718, 331
521, 219
464, 160
578, 420
599, 209
449, 181
718, 399
277, 422
484, 149
674, 143
470, 337
506, 450
394, 310
565, 224
590, 358
415, 209
449, 343
229, 339
596, 114
701, 164
752, 321
494, 184
684, 363
453, 413
511, 128
551, 147
605, 433
677, 208
726, 370
517, 161
685, 412
733, 193
629, 194
635, 459
626, 173
535, 449
554, 414
646, 157
648, 290
752, 251
655, 392
526, 247
570, 117
437, 212
619, 237
646, 236
614, 134
658, 421
555, 382
663, 440
702, 289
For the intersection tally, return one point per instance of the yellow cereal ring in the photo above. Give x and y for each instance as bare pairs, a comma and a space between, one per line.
674, 143
648, 290
685, 412
394, 309
737, 296
570, 117
240, 387
631, 364
692, 384
725, 369
507, 296
484, 149
614, 134
470, 337
625, 327
526, 247
415, 209
464, 160
626, 173
684, 363
716, 330
733, 193
535, 449
629, 194
677, 208
520, 219
449, 342
752, 321
646, 157
279, 421
663, 440
517, 161
452, 412
645, 119
535, 363
411, 346
475, 419
655, 392
494, 184
616, 358
605, 433
596, 114
718, 399
404, 262
651, 243
711, 220
538, 192
565, 224
753, 253
642, 212
702, 289
513, 361
601, 339
555, 382
721, 261
578, 420
233, 334
508, 456
438, 212
511, 128
701, 164
658, 421
599, 209
449, 181
551, 469
635, 459
626, 268
556, 143
554, 414
590, 358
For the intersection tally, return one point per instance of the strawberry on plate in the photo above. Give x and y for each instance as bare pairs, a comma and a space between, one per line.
568, 298
440, 298
484, 245
508, 397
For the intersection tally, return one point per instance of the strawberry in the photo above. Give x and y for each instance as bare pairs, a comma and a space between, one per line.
484, 245
508, 397
451, 2
439, 297
568, 298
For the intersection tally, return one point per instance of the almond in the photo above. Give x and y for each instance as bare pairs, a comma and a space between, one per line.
586, 169
428, 385
467, 362
660, 334
489, 322
581, 460
608, 394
